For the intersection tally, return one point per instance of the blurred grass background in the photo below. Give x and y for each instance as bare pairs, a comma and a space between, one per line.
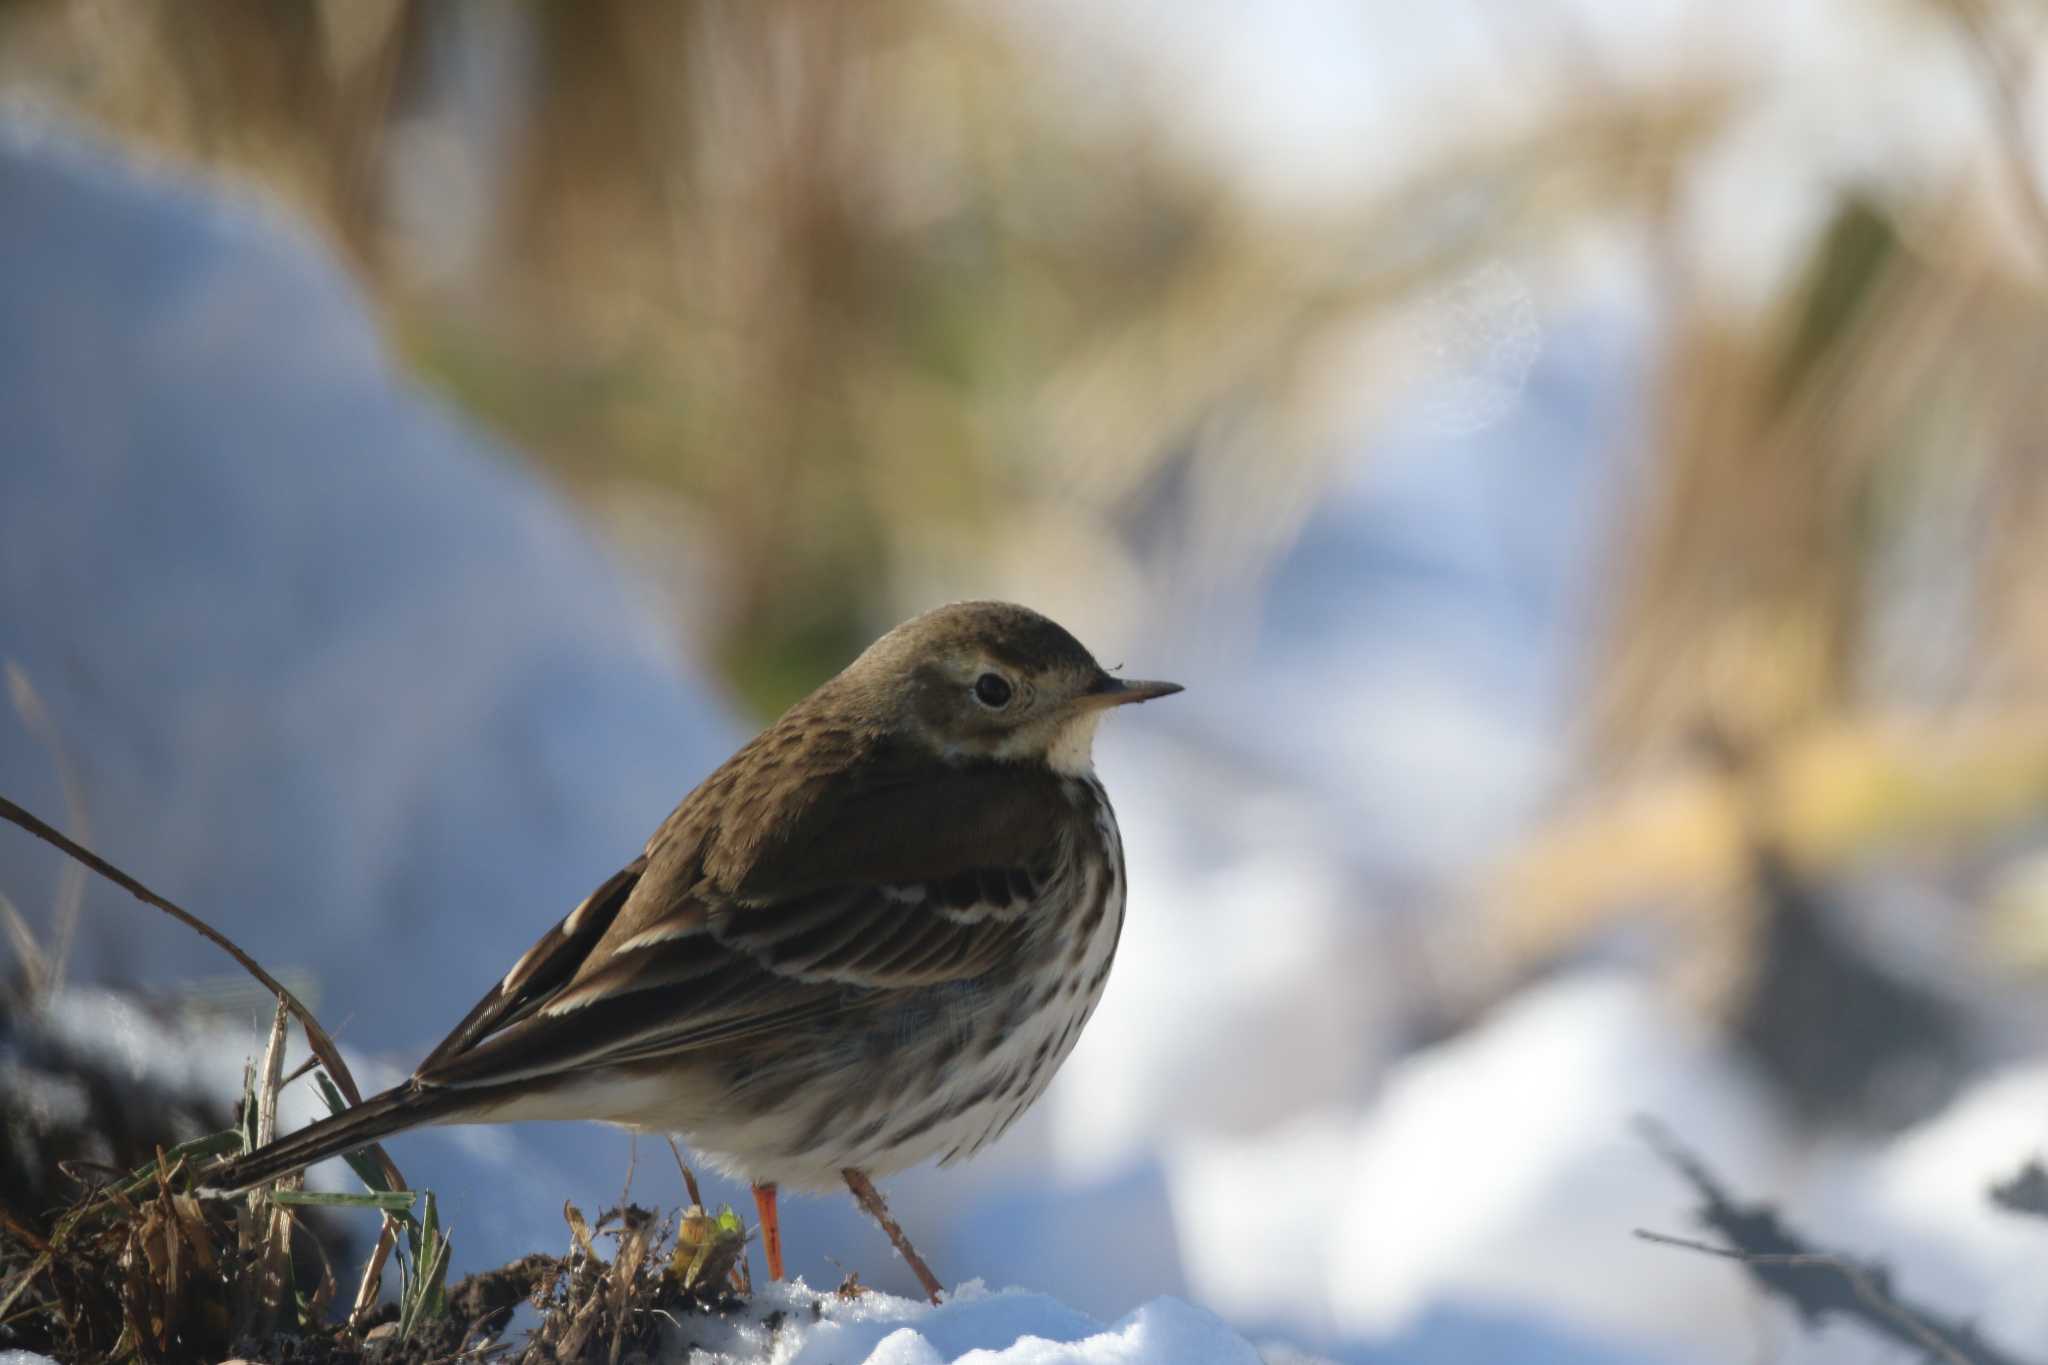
825, 310
860, 298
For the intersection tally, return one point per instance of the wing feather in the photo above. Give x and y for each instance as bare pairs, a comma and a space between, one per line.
890, 881
544, 968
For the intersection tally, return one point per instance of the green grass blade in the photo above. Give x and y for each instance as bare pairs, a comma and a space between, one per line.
389, 1201
425, 1296
226, 1141
367, 1171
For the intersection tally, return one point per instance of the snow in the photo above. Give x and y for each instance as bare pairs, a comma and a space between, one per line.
1522, 1208
200, 1054
973, 1326
1920, 1200
1255, 1215
1498, 1172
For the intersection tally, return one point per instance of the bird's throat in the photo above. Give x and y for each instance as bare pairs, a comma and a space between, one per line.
1072, 752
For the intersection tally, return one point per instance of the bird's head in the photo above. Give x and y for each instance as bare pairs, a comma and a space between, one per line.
993, 680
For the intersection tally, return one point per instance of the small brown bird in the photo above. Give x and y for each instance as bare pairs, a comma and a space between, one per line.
870, 938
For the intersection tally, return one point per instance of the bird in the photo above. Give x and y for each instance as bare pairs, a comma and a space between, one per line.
868, 939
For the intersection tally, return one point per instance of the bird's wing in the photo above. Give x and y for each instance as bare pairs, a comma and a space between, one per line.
893, 881
544, 968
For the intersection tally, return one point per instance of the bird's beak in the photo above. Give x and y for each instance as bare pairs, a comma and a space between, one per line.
1112, 691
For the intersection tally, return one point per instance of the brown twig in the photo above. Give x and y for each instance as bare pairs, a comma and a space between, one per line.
28, 704
271, 1226
27, 951
634, 1241
1783, 1263
22, 1282
324, 1293
632, 1165
870, 1199
316, 1036
21, 1231
689, 1176
1859, 1280
373, 1274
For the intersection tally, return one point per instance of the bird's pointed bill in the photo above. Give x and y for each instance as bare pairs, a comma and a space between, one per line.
1113, 691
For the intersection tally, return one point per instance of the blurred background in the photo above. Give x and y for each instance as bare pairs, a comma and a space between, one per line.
1583, 457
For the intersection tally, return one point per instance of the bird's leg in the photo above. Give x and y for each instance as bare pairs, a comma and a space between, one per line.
870, 1199
771, 1229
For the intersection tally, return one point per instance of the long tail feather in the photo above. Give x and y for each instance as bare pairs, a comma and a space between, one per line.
401, 1107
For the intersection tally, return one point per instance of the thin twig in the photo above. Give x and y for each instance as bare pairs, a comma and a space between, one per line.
28, 704
316, 1036
34, 966
373, 1274
870, 1198
38, 1266
21, 1231
632, 1164
689, 1176
273, 1259
1782, 1263
1866, 1289
272, 1073
323, 1295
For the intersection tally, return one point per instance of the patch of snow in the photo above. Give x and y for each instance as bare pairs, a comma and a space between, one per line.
49, 1101
972, 1327
200, 1056
1500, 1168
1254, 1216
1919, 1203
1496, 1171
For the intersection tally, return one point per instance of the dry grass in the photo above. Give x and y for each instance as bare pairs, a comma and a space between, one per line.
150, 1267
831, 308
160, 1275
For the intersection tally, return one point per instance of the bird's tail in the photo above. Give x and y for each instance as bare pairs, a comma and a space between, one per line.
403, 1106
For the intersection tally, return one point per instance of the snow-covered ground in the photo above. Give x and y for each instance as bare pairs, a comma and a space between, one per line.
795, 1325
347, 679
974, 1325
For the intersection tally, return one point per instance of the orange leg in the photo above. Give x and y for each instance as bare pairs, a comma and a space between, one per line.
771, 1228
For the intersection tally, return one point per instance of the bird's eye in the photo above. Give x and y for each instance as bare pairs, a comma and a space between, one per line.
992, 690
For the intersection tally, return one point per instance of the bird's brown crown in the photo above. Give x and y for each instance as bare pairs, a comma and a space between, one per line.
987, 680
